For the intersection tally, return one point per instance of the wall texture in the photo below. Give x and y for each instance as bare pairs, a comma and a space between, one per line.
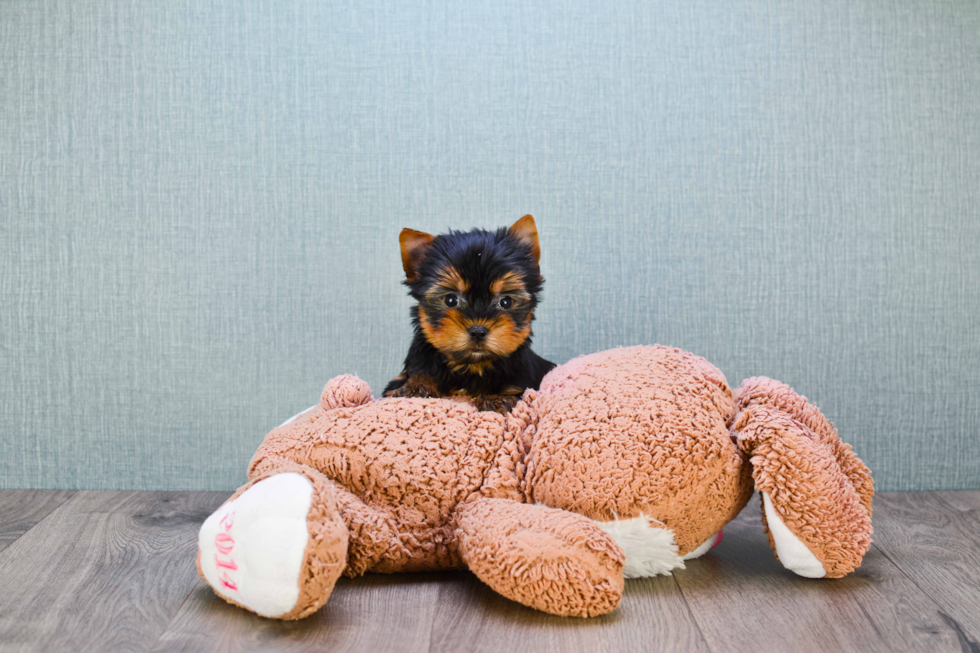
200, 204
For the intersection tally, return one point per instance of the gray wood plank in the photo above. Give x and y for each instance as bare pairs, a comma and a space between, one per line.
114, 571
652, 616
374, 613
20, 510
934, 538
103, 571
742, 597
965, 501
448, 611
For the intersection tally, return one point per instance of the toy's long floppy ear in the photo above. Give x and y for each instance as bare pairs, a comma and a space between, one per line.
525, 231
816, 493
414, 244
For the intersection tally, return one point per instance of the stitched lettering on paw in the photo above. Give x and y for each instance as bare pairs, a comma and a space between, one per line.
225, 543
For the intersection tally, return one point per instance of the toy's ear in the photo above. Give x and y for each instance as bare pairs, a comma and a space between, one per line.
816, 492
525, 231
346, 391
414, 245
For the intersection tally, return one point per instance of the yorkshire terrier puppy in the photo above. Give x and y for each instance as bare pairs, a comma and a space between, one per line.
476, 294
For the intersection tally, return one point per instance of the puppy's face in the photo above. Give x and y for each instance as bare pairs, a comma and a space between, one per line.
476, 291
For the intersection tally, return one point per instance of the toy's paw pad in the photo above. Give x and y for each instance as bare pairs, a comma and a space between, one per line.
793, 554
252, 548
649, 550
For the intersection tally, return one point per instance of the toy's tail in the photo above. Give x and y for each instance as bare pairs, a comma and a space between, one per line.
816, 492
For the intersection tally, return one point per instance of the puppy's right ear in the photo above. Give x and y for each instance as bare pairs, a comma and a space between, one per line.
525, 231
414, 245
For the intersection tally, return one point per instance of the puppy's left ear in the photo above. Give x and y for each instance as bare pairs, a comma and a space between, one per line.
525, 231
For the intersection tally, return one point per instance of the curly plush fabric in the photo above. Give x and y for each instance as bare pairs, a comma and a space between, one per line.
819, 488
518, 549
654, 442
645, 444
405, 464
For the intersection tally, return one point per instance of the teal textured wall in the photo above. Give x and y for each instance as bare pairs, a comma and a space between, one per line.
200, 204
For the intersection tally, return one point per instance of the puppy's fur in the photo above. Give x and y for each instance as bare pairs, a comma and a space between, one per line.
476, 294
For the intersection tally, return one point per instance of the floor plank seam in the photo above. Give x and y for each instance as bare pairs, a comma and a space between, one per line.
690, 611
68, 499
432, 626
871, 621
166, 629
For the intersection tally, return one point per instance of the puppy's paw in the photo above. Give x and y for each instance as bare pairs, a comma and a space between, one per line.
413, 386
502, 404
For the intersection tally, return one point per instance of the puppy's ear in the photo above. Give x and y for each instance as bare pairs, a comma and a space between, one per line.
414, 245
525, 231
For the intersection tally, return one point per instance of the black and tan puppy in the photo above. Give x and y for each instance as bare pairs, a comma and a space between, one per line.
476, 294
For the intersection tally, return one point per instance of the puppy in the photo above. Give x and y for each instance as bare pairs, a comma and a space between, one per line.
476, 293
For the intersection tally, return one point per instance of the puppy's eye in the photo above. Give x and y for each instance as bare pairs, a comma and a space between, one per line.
506, 302
452, 301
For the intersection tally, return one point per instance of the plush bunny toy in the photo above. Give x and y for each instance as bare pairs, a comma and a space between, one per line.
624, 464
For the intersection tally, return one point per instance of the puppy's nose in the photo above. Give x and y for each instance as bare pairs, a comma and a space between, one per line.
478, 332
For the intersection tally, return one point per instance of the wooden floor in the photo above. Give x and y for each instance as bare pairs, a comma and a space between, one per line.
114, 571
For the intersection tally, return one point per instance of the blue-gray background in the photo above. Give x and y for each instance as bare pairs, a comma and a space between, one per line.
201, 200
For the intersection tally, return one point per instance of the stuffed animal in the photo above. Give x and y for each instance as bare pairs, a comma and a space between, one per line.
624, 464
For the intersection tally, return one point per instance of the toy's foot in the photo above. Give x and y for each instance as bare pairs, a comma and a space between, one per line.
790, 550
551, 560
274, 548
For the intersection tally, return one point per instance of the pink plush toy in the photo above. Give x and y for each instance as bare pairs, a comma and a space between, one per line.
625, 463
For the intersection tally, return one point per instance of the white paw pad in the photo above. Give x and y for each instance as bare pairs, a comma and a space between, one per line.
649, 550
252, 548
791, 551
